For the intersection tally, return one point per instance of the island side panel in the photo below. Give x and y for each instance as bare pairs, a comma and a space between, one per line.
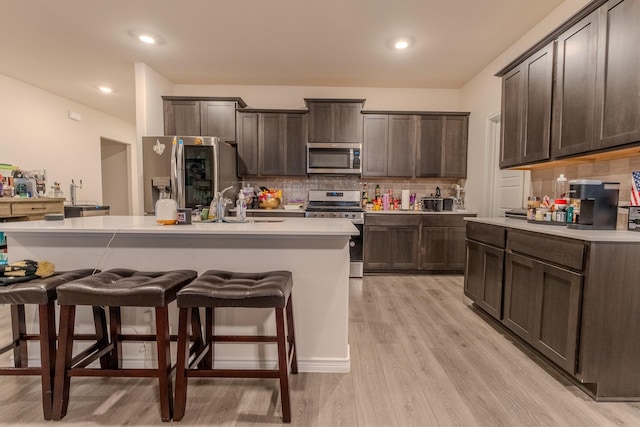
320, 267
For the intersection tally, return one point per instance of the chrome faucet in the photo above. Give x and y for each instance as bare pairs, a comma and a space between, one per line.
219, 203
73, 191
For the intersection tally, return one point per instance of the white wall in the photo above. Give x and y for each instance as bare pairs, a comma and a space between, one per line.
150, 87
481, 96
293, 96
36, 133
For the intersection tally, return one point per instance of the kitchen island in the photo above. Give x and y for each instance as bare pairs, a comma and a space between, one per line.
316, 251
571, 295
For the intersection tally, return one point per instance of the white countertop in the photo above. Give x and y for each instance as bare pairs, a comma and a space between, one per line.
563, 231
420, 212
287, 227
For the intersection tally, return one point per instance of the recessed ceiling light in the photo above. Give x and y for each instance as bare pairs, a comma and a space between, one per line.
146, 38
400, 43
105, 89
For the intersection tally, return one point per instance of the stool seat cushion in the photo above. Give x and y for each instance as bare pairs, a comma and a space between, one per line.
39, 291
216, 288
125, 288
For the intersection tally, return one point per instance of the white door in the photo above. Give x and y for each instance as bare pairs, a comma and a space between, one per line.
508, 189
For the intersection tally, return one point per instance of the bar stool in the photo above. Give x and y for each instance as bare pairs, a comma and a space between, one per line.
227, 289
118, 288
40, 292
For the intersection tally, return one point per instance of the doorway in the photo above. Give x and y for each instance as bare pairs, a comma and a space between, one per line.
116, 176
508, 189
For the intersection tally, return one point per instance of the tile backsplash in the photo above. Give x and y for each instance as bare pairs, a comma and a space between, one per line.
614, 170
294, 188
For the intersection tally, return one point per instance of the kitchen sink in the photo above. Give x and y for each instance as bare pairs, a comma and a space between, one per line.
77, 211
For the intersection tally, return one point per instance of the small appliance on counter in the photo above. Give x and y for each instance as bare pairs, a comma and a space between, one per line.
597, 202
432, 204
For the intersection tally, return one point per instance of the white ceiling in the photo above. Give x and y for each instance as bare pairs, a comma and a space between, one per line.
70, 47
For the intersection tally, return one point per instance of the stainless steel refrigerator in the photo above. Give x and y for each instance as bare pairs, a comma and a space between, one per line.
188, 169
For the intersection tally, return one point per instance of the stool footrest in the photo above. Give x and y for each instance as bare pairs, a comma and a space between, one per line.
124, 372
20, 371
245, 338
234, 373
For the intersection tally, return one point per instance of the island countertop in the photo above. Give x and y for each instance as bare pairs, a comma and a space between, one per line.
315, 250
254, 227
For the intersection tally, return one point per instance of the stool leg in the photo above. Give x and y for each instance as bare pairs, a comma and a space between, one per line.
47, 321
209, 326
63, 361
19, 330
291, 337
184, 318
102, 337
283, 366
164, 362
115, 330
196, 334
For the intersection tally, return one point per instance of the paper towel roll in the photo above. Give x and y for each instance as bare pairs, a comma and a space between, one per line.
405, 200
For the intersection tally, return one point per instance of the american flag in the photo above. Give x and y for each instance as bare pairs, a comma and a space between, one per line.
635, 189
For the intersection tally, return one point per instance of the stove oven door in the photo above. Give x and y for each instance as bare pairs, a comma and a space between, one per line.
356, 252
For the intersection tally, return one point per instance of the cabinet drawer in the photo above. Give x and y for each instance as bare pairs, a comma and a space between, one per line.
492, 235
392, 219
35, 208
564, 252
5, 209
443, 220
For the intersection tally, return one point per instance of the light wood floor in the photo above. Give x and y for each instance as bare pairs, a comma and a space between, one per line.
420, 356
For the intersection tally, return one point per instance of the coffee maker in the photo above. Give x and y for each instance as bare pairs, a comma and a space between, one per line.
598, 203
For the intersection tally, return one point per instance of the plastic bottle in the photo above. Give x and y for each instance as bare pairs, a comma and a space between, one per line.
561, 187
241, 208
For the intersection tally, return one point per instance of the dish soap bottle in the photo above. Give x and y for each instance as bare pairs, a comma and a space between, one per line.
561, 187
241, 208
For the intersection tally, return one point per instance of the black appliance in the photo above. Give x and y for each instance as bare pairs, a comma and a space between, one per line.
598, 204
342, 204
330, 158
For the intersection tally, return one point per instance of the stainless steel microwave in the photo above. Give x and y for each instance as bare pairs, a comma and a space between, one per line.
334, 158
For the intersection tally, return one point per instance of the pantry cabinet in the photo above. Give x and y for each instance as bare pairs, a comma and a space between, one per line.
191, 116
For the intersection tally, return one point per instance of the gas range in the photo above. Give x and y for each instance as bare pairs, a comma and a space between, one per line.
335, 204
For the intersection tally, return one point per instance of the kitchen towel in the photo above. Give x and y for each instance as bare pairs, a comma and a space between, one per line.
405, 200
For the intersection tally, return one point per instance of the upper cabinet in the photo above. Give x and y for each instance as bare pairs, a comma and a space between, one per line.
335, 120
201, 116
526, 110
415, 144
618, 70
272, 142
595, 104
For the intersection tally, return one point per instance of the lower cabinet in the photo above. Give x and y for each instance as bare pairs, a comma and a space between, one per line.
542, 306
483, 278
414, 242
33, 209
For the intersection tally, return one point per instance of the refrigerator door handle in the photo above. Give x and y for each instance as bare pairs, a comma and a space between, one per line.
180, 174
174, 169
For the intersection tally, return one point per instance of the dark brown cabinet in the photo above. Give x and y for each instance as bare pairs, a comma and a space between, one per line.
201, 116
418, 144
391, 242
526, 110
618, 83
389, 145
542, 306
574, 97
483, 280
272, 142
442, 146
335, 120
414, 242
442, 242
